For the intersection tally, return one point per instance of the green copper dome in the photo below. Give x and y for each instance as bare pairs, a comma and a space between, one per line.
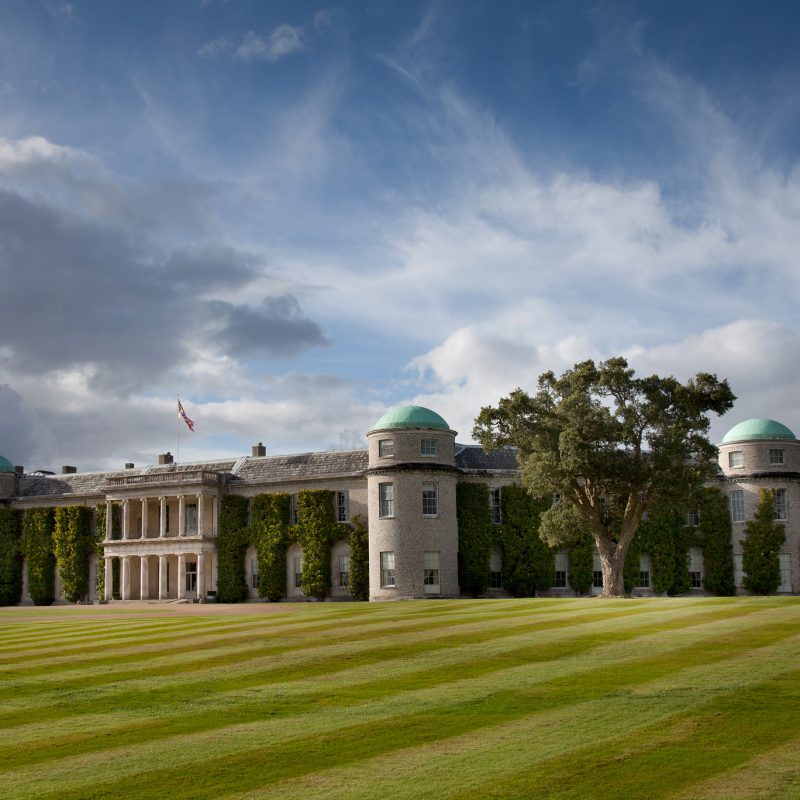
411, 417
758, 428
6, 465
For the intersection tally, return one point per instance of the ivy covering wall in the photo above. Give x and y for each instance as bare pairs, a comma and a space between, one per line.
475, 537
270, 536
714, 537
317, 530
73, 543
10, 556
37, 544
232, 543
359, 559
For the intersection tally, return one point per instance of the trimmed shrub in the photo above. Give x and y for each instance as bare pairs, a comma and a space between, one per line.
359, 559
10, 557
761, 546
232, 544
474, 537
270, 534
73, 543
714, 536
37, 545
317, 529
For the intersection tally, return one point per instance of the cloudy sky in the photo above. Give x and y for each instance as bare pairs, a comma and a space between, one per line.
297, 215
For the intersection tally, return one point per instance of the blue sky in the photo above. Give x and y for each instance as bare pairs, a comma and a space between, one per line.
296, 215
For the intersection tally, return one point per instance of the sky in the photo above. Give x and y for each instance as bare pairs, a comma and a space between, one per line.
296, 215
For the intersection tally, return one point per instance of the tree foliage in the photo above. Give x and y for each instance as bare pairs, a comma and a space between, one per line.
611, 445
474, 537
10, 556
581, 564
761, 546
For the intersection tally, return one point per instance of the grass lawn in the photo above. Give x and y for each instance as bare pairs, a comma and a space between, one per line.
654, 698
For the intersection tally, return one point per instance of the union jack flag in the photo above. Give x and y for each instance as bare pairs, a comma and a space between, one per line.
182, 413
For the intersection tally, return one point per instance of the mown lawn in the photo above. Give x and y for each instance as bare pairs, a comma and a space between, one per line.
679, 698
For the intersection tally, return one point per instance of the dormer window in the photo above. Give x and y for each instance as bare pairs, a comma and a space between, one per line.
735, 459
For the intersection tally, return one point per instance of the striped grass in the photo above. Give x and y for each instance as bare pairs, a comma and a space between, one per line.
464, 699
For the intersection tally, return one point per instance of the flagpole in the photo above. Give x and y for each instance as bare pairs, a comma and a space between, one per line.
178, 432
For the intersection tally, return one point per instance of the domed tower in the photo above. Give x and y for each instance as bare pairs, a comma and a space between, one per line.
411, 486
764, 454
7, 478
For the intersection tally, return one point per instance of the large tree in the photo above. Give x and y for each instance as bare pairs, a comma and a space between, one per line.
607, 445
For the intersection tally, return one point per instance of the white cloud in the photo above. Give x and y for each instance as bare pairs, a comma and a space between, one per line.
282, 41
216, 47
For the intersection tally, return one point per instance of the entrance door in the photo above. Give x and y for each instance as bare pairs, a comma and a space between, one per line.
191, 577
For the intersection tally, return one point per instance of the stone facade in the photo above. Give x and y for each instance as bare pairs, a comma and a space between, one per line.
404, 483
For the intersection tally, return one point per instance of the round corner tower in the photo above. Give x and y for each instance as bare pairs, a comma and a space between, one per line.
411, 487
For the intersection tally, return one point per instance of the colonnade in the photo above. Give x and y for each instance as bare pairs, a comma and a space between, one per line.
126, 563
163, 532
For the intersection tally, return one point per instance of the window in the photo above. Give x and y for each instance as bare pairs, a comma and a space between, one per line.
386, 499
191, 576
495, 508
692, 517
737, 505
775, 456
254, 573
738, 571
344, 572
430, 504
387, 569
735, 459
496, 569
297, 566
430, 575
785, 561
342, 510
597, 575
560, 576
191, 518
385, 448
427, 447
644, 571
779, 504
293, 509
166, 517
695, 568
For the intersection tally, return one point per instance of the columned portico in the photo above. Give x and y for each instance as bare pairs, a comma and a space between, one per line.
125, 578
144, 518
162, 517
201, 577
162, 577
144, 578
182, 576
126, 520
201, 514
108, 590
109, 519
181, 515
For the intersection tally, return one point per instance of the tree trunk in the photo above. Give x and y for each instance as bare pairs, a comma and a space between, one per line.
612, 562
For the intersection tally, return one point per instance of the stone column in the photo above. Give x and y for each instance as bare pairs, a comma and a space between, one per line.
144, 518
125, 578
109, 519
201, 577
162, 577
214, 514
162, 519
181, 515
109, 581
144, 578
181, 576
201, 514
126, 519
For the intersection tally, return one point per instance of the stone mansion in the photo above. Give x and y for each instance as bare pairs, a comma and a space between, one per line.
404, 483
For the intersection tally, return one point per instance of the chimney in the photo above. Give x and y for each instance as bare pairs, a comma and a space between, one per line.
259, 451
19, 471
129, 465
165, 458
68, 470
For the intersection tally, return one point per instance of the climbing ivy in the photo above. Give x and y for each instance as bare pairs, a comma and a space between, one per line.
232, 544
269, 532
73, 543
37, 545
10, 557
474, 537
359, 559
761, 546
714, 536
317, 530
528, 562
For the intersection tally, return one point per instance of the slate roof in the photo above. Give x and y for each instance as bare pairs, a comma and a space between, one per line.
86, 483
301, 466
471, 458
